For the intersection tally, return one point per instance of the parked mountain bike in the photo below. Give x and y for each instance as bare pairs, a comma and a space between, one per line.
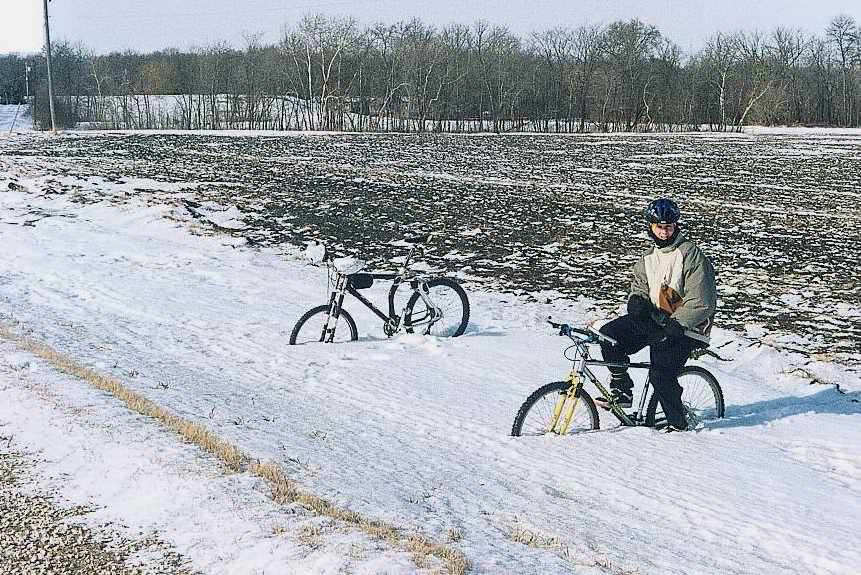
564, 407
437, 305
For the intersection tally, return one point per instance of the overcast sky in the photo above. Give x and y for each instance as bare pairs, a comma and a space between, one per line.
146, 25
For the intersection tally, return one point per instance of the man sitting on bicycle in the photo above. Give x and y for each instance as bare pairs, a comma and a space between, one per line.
671, 308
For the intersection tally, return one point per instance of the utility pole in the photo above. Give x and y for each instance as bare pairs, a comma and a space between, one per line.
27, 81
50, 80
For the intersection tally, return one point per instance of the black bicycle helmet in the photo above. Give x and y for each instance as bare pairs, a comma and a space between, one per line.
662, 211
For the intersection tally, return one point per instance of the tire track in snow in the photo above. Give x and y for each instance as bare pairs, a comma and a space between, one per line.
422, 414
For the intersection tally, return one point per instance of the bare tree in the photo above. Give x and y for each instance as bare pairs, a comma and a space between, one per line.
424, 72
316, 48
630, 48
326, 73
589, 45
786, 49
457, 44
554, 50
497, 52
842, 32
755, 80
720, 58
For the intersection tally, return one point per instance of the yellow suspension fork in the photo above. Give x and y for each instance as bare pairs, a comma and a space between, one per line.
560, 409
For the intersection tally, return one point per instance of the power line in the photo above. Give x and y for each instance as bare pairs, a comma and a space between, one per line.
136, 17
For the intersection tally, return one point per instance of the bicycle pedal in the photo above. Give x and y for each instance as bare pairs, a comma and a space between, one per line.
606, 406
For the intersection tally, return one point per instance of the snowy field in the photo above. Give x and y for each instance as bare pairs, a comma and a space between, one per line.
537, 216
15, 118
150, 258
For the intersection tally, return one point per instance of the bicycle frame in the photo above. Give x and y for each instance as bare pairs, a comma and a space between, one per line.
569, 393
579, 371
392, 320
416, 284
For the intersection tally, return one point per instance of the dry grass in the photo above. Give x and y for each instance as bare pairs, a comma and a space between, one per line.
281, 488
311, 536
593, 558
534, 539
189, 431
814, 380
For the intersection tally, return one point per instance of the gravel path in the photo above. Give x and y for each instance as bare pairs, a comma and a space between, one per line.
39, 534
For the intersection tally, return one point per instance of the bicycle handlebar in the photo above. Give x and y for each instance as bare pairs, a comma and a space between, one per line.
317, 254
602, 336
591, 334
419, 239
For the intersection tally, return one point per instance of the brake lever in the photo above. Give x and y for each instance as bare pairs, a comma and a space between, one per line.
602, 336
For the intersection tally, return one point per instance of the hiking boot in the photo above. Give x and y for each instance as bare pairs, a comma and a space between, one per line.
672, 428
621, 398
621, 391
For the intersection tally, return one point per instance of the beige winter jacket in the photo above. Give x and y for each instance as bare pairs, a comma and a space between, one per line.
680, 280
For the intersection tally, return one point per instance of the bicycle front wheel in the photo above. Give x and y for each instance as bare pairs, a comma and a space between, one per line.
447, 295
310, 327
551, 409
701, 396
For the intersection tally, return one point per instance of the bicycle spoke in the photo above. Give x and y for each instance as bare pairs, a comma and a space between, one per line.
541, 416
698, 399
448, 302
312, 330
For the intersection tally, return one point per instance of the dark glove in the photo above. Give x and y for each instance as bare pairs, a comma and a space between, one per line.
674, 329
661, 319
659, 316
638, 306
670, 328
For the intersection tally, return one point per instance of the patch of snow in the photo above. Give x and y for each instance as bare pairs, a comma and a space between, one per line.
410, 430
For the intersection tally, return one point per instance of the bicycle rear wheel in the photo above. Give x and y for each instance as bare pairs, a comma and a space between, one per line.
549, 407
450, 298
701, 396
310, 326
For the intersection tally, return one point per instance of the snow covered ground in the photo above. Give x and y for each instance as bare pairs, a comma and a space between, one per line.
140, 480
526, 214
14, 118
412, 430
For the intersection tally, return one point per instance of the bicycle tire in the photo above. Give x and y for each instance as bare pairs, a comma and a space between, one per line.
353, 333
453, 330
550, 391
701, 395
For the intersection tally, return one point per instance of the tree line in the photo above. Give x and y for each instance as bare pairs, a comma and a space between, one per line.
331, 74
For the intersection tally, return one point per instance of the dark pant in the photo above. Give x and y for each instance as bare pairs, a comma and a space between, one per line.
668, 356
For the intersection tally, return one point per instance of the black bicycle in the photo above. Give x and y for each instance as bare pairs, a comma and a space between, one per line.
437, 305
564, 407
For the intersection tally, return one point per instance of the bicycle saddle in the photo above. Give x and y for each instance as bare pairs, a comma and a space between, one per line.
349, 266
420, 239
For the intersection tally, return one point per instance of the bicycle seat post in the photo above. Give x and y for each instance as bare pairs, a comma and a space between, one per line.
406, 263
405, 266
